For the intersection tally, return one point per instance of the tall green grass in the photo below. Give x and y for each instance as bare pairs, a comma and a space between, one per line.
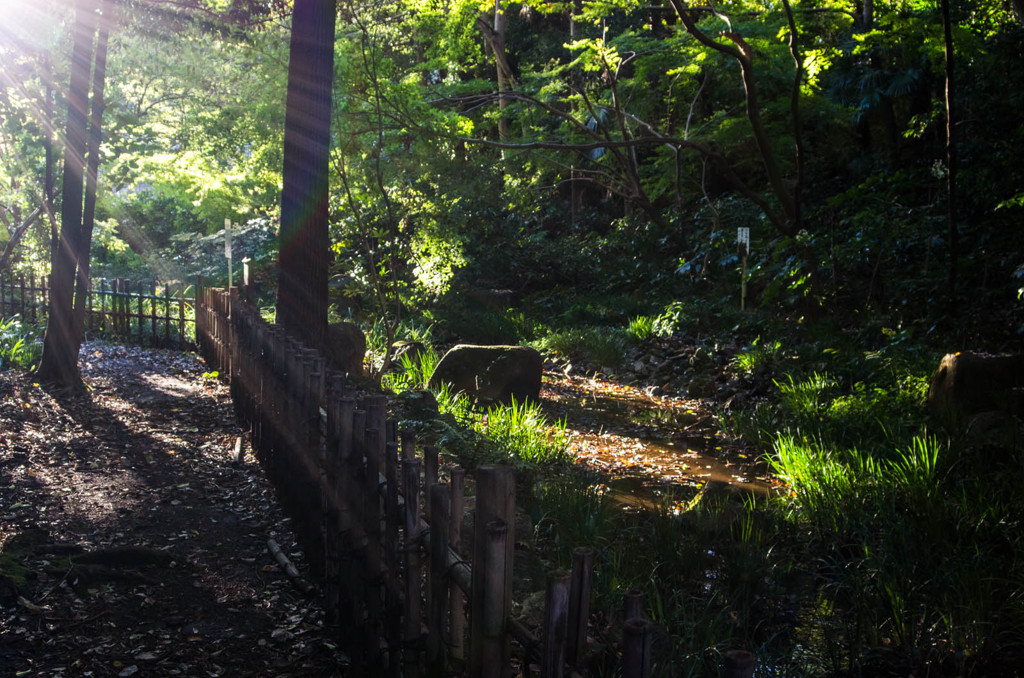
913, 556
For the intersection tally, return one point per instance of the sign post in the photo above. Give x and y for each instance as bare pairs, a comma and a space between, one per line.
227, 249
743, 249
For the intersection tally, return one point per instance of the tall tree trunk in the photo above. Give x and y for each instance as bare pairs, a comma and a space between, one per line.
99, 75
504, 72
59, 361
951, 158
495, 37
304, 245
49, 181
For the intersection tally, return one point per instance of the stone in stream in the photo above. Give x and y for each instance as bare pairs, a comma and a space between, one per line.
491, 374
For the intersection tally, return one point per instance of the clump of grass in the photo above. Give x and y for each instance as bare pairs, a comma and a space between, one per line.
414, 370
641, 327
758, 355
574, 509
897, 536
377, 337
523, 428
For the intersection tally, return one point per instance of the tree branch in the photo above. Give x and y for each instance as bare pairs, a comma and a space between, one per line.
5, 258
788, 222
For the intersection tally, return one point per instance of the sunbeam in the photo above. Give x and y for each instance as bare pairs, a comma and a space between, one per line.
31, 27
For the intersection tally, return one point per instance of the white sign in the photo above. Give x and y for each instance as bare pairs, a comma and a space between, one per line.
743, 237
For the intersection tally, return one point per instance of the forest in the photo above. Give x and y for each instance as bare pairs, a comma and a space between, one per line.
742, 233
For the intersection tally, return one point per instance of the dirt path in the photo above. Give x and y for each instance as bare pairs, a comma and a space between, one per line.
143, 461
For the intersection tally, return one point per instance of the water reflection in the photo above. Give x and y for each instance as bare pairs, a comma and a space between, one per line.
649, 447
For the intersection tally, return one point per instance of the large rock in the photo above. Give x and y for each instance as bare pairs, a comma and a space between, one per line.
966, 384
491, 373
346, 347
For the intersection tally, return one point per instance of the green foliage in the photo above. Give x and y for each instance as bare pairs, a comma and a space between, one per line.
600, 346
413, 373
518, 431
575, 510
758, 356
20, 344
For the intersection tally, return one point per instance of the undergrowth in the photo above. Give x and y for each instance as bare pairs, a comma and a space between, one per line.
517, 431
20, 344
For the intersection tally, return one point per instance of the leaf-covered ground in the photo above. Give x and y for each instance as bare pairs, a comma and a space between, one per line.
131, 543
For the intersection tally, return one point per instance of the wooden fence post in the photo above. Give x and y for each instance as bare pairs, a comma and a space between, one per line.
431, 462
103, 306
579, 605
181, 312
440, 500
408, 437
456, 603
636, 649
392, 519
495, 501
556, 617
371, 524
489, 631
411, 485
152, 313
361, 546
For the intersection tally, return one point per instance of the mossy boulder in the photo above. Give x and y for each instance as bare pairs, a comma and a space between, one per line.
966, 384
491, 374
346, 347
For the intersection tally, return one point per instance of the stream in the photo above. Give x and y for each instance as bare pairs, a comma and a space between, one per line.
655, 452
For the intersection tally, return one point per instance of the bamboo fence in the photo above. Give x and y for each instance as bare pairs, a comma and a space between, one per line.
381, 529
141, 312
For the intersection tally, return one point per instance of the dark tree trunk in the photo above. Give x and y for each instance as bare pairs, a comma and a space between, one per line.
92, 170
59, 362
951, 159
49, 181
304, 245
